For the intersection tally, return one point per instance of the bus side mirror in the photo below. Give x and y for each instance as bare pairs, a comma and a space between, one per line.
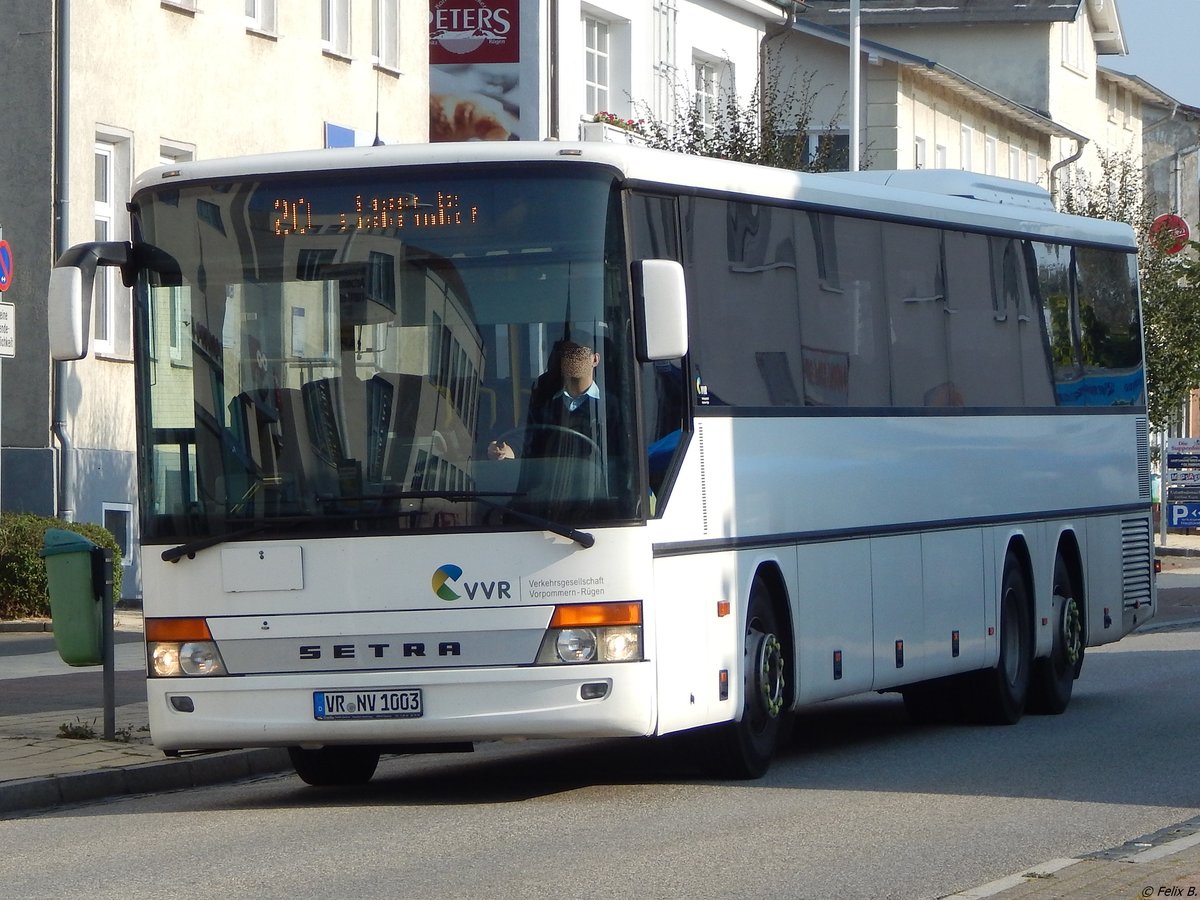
68, 310
660, 300
69, 299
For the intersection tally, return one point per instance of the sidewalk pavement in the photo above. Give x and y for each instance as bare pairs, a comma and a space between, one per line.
41, 769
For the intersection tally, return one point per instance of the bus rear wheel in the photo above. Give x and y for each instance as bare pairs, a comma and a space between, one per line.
744, 747
1004, 689
1054, 677
334, 766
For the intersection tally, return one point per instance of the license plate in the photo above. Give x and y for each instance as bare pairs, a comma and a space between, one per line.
396, 703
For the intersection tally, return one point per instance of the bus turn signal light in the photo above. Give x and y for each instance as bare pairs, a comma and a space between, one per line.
177, 630
590, 615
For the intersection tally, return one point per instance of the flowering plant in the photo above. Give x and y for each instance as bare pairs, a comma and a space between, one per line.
634, 125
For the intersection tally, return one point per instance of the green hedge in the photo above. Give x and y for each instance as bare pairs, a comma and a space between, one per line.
23, 572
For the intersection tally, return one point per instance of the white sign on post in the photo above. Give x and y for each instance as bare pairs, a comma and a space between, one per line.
8, 330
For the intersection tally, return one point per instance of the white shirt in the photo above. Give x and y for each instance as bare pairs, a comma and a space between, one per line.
573, 403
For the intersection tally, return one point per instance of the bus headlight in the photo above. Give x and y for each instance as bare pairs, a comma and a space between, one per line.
172, 659
181, 647
576, 645
593, 632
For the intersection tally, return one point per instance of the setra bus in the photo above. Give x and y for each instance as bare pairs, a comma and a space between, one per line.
874, 432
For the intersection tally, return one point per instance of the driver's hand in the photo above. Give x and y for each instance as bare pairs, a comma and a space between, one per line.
500, 450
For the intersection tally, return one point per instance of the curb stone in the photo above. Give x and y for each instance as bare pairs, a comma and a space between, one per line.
38, 794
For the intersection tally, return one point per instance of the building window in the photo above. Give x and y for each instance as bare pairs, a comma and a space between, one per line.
1128, 123
665, 14
941, 156
829, 151
385, 33
705, 97
118, 519
1032, 163
918, 153
1073, 34
1014, 162
965, 140
189, 6
335, 26
596, 65
1113, 105
111, 180
989, 155
260, 15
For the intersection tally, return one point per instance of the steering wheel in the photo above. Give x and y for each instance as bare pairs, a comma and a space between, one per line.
554, 429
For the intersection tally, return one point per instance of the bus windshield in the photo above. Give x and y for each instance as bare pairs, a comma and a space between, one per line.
384, 351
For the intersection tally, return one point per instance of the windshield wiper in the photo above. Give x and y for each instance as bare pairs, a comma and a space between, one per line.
191, 548
583, 538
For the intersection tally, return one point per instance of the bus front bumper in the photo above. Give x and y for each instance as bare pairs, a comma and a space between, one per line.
214, 713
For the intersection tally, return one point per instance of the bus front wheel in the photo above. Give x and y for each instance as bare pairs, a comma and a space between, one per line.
744, 747
334, 766
1005, 688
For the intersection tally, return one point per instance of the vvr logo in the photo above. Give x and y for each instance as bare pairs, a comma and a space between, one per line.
449, 574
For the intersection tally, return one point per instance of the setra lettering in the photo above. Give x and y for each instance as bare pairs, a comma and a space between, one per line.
407, 649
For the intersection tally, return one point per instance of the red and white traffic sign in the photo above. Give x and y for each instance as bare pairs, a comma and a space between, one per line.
1172, 231
6, 266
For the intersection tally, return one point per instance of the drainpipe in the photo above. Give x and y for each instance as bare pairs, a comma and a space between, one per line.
62, 240
1080, 143
771, 32
1178, 179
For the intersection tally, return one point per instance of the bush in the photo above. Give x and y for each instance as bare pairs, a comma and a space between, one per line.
23, 572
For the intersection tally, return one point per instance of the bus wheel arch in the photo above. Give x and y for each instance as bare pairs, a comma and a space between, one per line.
770, 577
743, 747
1055, 674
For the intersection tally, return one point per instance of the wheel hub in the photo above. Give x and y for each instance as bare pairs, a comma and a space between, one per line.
768, 669
1072, 631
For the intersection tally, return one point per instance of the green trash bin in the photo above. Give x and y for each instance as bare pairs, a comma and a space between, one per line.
75, 604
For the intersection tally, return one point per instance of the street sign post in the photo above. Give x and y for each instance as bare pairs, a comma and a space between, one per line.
1181, 484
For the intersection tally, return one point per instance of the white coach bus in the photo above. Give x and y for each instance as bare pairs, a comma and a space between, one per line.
848, 433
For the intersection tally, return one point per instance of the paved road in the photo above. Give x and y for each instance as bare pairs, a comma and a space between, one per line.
862, 804
34, 679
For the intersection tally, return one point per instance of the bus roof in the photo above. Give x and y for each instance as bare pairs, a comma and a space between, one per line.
967, 200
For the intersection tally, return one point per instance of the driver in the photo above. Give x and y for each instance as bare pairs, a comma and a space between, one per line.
576, 406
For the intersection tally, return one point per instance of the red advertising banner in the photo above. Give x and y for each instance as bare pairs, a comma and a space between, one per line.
474, 31
477, 91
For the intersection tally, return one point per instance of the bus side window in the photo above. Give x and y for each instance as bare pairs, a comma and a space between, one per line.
664, 421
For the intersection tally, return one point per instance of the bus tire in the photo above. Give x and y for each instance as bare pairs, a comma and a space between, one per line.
743, 748
1054, 677
334, 766
1003, 690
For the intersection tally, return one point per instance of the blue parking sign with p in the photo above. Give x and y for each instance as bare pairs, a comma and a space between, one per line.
1183, 515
